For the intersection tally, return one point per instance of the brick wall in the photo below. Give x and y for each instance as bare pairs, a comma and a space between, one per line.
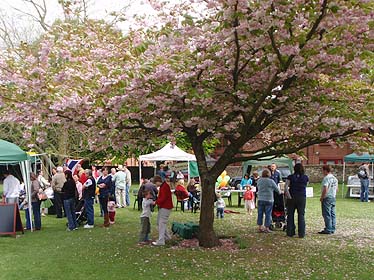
315, 172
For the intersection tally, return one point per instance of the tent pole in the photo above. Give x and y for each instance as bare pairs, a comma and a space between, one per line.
188, 177
50, 165
343, 179
140, 172
25, 168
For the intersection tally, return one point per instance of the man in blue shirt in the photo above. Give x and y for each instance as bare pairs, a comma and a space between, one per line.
275, 174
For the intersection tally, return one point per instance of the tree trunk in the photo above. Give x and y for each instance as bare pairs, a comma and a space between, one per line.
207, 236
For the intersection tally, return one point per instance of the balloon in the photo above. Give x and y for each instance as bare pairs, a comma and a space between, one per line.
223, 183
223, 174
227, 178
217, 184
219, 179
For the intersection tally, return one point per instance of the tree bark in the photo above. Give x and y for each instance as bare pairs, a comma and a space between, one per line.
207, 236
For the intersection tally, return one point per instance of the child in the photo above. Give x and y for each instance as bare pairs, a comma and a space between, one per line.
112, 209
25, 206
249, 200
220, 206
145, 216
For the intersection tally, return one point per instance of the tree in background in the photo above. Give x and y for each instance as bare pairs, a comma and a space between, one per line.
280, 73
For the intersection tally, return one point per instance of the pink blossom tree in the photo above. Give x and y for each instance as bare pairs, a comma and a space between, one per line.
284, 74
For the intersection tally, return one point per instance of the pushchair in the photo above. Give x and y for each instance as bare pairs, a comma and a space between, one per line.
279, 212
80, 212
195, 202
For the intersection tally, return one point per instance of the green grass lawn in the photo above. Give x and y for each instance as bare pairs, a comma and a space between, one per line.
113, 253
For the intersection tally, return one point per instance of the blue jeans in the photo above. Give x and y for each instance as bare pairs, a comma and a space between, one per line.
89, 206
264, 207
128, 195
36, 212
69, 205
27, 216
328, 214
296, 203
364, 195
220, 212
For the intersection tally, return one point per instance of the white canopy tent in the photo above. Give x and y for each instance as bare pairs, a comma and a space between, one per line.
168, 152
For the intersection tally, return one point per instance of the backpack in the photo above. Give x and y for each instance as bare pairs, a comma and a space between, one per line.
362, 174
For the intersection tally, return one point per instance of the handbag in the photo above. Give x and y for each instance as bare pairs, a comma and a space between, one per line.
42, 196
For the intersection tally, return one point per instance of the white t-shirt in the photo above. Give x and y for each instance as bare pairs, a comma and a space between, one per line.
12, 186
331, 183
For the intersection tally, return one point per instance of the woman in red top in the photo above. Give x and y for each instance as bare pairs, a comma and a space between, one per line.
180, 190
165, 204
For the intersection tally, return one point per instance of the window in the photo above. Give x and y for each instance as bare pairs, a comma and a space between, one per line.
331, 161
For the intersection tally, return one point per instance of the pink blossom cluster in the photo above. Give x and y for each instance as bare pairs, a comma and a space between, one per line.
280, 72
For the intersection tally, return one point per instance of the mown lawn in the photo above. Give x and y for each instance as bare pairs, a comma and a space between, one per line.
113, 253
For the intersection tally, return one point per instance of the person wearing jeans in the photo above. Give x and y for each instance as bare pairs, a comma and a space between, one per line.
35, 203
296, 188
364, 195
328, 200
69, 190
104, 183
69, 206
89, 188
165, 204
329, 215
363, 175
266, 188
264, 207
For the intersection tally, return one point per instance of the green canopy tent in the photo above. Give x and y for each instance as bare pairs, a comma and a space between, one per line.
11, 154
279, 161
364, 157
194, 169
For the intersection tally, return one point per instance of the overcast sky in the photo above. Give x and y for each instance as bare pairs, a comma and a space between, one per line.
97, 8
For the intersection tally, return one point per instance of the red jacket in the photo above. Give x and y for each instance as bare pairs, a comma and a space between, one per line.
164, 199
248, 195
83, 178
182, 191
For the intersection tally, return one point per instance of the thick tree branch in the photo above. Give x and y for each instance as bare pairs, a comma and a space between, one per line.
275, 47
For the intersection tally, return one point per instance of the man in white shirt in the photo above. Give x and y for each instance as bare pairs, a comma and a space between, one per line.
128, 184
119, 180
12, 188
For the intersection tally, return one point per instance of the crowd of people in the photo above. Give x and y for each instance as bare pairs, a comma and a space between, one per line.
110, 188
67, 189
264, 189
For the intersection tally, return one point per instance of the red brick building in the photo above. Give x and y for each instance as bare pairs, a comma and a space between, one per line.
316, 154
326, 154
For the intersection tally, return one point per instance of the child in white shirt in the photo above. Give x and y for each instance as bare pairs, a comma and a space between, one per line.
220, 204
145, 217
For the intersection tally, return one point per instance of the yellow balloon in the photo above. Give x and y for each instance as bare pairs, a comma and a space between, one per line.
224, 173
223, 184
